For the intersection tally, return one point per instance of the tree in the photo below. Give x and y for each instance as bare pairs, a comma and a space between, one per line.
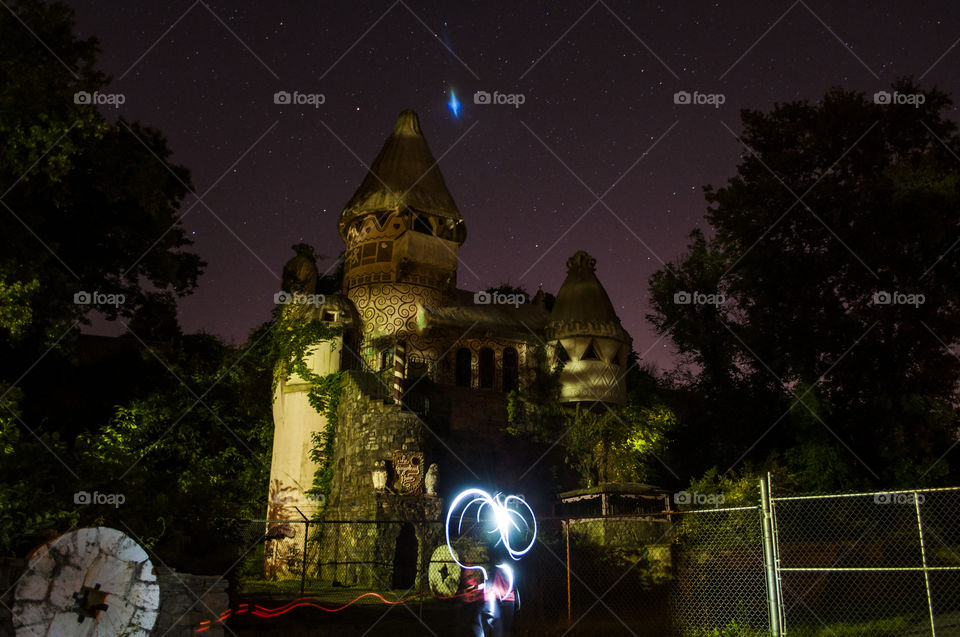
88, 205
191, 457
834, 301
601, 443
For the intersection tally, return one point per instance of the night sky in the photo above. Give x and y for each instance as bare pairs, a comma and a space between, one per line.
598, 120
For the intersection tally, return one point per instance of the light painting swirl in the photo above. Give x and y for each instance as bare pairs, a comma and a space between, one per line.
506, 515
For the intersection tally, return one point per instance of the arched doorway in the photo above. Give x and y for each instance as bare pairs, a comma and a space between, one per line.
510, 369
405, 558
485, 368
463, 372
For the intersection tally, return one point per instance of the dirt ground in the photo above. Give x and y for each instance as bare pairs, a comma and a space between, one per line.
442, 620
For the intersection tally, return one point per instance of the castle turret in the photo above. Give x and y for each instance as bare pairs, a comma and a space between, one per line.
403, 233
586, 334
295, 419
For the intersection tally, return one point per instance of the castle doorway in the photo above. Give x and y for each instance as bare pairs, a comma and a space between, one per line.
405, 558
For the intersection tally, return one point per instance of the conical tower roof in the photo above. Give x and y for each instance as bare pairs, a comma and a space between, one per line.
582, 307
404, 174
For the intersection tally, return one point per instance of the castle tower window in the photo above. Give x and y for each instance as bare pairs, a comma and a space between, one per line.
422, 225
368, 252
561, 353
385, 251
386, 359
510, 369
485, 368
463, 372
590, 354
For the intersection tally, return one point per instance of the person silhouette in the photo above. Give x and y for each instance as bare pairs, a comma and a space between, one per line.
494, 610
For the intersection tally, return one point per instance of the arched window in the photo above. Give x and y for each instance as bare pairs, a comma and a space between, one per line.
510, 369
485, 368
463, 371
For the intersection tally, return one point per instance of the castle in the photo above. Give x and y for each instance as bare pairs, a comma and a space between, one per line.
428, 365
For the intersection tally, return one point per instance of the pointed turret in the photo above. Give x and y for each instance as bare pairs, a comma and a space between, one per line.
585, 332
403, 234
405, 175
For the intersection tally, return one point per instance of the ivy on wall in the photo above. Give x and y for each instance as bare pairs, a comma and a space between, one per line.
296, 332
325, 398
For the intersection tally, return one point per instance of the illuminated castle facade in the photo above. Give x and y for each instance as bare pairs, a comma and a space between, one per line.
428, 365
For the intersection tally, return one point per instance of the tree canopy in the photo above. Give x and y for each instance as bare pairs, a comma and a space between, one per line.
87, 205
820, 318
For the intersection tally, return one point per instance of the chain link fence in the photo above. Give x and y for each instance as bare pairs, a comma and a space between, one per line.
719, 582
568, 583
879, 564
885, 563
870, 564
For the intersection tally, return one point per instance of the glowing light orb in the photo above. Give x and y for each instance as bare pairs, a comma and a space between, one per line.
454, 104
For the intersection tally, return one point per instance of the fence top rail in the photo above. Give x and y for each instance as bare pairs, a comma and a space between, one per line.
864, 494
755, 507
312, 522
636, 517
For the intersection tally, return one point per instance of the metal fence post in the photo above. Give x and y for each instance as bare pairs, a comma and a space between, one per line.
303, 570
769, 559
303, 564
566, 526
923, 557
775, 535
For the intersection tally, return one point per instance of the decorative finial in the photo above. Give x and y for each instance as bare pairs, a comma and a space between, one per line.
581, 261
408, 124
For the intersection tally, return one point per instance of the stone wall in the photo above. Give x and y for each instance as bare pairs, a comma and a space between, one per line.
10, 571
473, 425
368, 430
358, 543
181, 614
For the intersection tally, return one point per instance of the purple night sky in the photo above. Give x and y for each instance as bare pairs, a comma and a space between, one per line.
599, 119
